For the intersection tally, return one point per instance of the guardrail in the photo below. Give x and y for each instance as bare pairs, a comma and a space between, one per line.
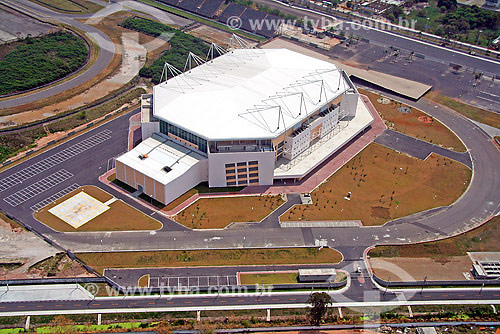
226, 288
41, 281
420, 284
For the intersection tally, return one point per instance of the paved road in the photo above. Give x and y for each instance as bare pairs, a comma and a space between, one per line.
36, 182
478, 203
419, 148
390, 39
435, 72
129, 277
431, 66
106, 47
106, 51
365, 294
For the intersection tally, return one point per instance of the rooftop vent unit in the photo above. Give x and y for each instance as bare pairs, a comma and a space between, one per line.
143, 156
166, 169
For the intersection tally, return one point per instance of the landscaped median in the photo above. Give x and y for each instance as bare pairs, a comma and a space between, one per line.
118, 216
211, 257
380, 184
200, 19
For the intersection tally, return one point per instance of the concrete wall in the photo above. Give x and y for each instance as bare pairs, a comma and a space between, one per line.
193, 176
161, 192
148, 128
217, 166
349, 104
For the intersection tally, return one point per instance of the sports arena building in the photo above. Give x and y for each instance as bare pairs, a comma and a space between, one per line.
247, 117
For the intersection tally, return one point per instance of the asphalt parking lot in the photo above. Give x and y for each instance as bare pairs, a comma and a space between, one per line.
42, 179
195, 276
426, 69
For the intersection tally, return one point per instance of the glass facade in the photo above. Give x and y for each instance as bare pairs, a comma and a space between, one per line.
167, 128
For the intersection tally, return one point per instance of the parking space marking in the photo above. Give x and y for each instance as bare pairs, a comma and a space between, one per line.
54, 160
38, 187
193, 281
54, 197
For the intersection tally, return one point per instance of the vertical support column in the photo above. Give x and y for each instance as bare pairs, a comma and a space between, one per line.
340, 312
198, 315
268, 314
410, 311
99, 319
27, 324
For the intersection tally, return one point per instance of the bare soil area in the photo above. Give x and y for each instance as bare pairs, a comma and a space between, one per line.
414, 122
209, 34
380, 184
417, 269
24, 255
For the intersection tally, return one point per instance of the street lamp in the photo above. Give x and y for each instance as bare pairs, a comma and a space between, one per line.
423, 283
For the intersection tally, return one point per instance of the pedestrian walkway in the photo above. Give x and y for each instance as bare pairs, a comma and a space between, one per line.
19, 293
333, 223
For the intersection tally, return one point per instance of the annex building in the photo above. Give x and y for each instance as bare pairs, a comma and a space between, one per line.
245, 118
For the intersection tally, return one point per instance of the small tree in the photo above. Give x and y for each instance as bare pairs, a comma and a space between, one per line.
320, 302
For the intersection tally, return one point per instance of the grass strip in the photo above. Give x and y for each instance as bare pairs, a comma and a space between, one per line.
213, 257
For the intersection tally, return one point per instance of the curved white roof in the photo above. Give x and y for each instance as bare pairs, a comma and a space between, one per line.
247, 93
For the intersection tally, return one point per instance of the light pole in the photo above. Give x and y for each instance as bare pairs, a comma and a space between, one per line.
423, 283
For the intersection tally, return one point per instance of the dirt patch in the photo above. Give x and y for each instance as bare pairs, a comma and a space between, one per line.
213, 35
380, 178
20, 250
416, 269
381, 212
59, 265
220, 212
425, 119
414, 123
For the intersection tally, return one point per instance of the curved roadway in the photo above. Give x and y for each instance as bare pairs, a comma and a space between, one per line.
477, 204
106, 51
106, 46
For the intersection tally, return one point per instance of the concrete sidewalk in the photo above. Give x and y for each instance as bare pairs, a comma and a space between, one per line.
19, 293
